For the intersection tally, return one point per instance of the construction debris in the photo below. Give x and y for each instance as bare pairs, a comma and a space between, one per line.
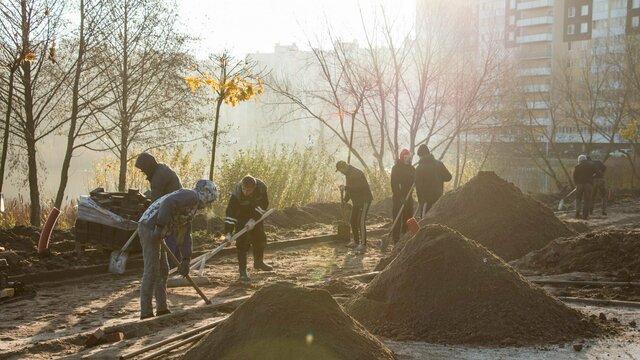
498, 215
445, 288
283, 321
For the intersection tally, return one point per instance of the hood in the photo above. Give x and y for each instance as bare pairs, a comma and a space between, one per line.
147, 164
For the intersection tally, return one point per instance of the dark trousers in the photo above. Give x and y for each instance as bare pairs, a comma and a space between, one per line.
583, 199
599, 186
255, 239
401, 225
358, 222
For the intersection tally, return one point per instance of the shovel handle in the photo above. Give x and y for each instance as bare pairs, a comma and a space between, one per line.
189, 279
128, 243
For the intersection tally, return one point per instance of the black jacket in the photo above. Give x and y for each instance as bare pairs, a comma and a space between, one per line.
431, 174
584, 173
357, 188
162, 178
600, 168
402, 176
241, 208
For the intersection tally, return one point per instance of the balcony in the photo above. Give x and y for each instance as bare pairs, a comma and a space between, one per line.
536, 88
534, 21
527, 39
542, 71
534, 55
535, 4
537, 105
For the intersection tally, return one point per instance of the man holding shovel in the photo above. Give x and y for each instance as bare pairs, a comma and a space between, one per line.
357, 190
402, 177
170, 213
163, 180
431, 174
248, 202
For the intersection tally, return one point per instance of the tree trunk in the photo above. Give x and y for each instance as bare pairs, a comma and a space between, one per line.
7, 123
214, 143
124, 114
71, 135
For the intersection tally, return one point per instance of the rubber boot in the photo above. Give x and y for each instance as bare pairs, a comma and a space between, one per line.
258, 257
242, 265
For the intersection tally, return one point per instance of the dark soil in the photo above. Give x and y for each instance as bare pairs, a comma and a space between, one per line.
612, 252
445, 288
498, 215
282, 321
21, 251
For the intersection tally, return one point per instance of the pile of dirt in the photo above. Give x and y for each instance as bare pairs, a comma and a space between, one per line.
21, 251
282, 321
498, 215
383, 207
324, 213
445, 288
612, 252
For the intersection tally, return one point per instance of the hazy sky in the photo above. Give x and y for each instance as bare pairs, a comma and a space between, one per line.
256, 25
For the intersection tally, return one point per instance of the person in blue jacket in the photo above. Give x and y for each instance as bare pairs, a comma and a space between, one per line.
170, 213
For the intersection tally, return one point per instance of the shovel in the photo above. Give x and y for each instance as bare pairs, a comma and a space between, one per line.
561, 204
118, 262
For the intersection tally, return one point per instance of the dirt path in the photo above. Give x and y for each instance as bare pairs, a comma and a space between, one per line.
80, 306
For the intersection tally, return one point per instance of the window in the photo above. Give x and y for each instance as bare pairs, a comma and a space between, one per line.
571, 12
584, 11
584, 28
571, 29
635, 21
512, 20
512, 4
512, 36
635, 4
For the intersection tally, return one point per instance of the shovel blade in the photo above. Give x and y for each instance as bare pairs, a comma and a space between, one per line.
118, 262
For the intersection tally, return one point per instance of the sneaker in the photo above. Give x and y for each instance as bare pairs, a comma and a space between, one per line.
244, 276
352, 245
362, 248
163, 312
142, 317
263, 267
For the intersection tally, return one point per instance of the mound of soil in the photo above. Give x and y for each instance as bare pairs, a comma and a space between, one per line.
613, 252
282, 321
21, 251
445, 288
325, 213
498, 215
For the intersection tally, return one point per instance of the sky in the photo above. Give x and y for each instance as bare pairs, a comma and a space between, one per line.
257, 25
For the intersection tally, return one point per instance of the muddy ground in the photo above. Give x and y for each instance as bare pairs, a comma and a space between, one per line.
53, 324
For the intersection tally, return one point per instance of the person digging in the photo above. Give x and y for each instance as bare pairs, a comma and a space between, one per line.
583, 175
431, 174
163, 180
358, 191
170, 213
248, 202
402, 176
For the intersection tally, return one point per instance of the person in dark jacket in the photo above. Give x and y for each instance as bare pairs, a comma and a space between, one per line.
599, 185
583, 175
162, 178
248, 202
170, 213
431, 174
358, 191
402, 177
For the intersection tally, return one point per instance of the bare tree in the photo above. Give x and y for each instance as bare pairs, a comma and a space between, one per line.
145, 59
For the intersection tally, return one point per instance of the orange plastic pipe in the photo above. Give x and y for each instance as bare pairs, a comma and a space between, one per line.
47, 229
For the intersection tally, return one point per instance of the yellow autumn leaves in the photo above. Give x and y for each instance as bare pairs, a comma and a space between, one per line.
233, 90
631, 132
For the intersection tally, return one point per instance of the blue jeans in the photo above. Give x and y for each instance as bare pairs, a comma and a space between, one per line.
156, 271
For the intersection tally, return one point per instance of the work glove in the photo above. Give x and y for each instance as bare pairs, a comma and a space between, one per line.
227, 238
342, 187
250, 224
183, 268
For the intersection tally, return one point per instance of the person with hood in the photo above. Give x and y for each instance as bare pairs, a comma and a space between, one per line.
583, 175
431, 174
248, 202
402, 177
358, 191
599, 185
163, 180
170, 213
